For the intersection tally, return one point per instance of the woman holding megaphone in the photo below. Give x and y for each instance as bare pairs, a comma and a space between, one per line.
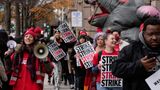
28, 70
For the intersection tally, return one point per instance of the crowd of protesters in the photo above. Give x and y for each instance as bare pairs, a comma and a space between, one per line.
20, 69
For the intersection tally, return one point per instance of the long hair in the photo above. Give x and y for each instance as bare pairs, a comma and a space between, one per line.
80, 37
31, 62
3, 42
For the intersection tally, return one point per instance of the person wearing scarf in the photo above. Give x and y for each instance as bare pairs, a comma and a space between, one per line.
141, 58
28, 71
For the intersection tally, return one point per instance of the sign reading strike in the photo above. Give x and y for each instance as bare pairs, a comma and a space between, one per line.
67, 34
56, 52
154, 81
107, 79
86, 53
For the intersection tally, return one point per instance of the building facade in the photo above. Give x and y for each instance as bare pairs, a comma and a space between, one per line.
88, 10
156, 3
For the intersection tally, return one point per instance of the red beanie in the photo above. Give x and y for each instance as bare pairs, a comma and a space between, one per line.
108, 31
37, 30
30, 31
82, 33
99, 30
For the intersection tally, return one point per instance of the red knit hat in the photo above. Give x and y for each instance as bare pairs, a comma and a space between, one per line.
108, 31
82, 33
37, 30
99, 29
30, 31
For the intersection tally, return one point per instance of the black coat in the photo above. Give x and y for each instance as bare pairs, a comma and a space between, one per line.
129, 67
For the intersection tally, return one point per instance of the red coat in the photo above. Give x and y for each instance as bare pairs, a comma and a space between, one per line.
24, 81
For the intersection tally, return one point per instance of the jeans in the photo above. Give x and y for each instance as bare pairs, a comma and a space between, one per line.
107, 88
57, 74
79, 84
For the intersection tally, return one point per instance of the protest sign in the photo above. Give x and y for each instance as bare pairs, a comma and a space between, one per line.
154, 81
66, 33
56, 52
86, 53
107, 79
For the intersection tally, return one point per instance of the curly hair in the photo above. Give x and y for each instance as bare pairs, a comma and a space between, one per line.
151, 21
97, 35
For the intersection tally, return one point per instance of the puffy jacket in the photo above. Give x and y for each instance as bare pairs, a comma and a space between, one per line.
129, 67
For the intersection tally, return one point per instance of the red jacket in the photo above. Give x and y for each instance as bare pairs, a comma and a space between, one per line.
21, 80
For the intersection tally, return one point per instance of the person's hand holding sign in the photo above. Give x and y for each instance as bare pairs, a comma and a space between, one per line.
77, 55
99, 65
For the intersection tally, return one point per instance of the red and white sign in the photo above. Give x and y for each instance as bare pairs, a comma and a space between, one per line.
66, 33
86, 53
56, 52
107, 79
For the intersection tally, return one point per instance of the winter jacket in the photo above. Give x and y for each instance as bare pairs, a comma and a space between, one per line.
129, 67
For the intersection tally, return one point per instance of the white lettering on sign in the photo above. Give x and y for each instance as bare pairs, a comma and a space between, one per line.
86, 53
67, 33
107, 78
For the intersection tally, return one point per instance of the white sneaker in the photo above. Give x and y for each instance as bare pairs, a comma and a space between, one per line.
71, 86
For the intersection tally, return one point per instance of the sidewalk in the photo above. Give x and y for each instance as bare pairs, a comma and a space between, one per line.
51, 87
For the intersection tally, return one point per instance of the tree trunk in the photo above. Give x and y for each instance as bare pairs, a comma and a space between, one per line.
24, 16
7, 10
17, 20
29, 14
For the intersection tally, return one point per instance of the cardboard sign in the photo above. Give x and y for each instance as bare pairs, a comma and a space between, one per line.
107, 79
66, 33
86, 53
56, 52
154, 81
